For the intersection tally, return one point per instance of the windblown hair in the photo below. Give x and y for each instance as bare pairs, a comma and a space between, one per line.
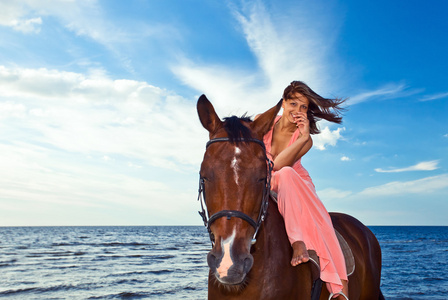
235, 128
319, 107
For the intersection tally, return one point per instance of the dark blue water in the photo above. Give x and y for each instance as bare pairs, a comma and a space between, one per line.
414, 261
170, 262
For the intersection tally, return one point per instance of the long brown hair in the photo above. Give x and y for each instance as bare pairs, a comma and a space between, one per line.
319, 107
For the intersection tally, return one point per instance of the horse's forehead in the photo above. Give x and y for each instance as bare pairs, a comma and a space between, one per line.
241, 153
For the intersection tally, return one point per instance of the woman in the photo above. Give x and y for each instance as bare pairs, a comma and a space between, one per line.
308, 223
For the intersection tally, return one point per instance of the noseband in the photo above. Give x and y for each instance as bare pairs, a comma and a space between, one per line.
208, 221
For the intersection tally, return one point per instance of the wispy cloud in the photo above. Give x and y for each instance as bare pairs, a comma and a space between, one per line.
420, 186
345, 158
434, 97
333, 194
85, 18
422, 166
389, 91
280, 59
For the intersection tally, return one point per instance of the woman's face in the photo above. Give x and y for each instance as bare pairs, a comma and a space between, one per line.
294, 105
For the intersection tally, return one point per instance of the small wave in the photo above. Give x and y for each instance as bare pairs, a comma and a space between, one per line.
199, 243
125, 274
129, 281
16, 291
7, 263
159, 272
132, 295
434, 279
38, 289
190, 288
123, 295
63, 244
68, 267
118, 244
172, 248
41, 254
162, 256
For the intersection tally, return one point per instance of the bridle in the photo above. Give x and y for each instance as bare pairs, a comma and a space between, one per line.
208, 221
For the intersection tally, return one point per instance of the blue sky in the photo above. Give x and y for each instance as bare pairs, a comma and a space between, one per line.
97, 103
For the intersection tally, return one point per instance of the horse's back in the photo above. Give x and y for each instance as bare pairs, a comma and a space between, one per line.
364, 283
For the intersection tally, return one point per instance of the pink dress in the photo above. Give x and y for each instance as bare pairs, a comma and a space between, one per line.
306, 218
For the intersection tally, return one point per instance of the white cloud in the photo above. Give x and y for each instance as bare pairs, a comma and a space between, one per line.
345, 158
434, 97
73, 141
28, 26
14, 14
421, 186
422, 166
392, 90
12, 109
327, 137
97, 114
330, 194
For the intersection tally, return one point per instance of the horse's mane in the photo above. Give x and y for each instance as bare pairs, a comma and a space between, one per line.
236, 130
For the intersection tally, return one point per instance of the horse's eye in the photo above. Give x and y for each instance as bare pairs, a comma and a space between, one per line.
205, 178
261, 180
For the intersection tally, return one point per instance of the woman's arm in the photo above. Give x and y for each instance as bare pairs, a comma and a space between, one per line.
293, 153
298, 148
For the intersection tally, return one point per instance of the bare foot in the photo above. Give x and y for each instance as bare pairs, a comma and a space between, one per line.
300, 254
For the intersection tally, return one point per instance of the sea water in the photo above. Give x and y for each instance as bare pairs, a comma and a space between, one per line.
169, 262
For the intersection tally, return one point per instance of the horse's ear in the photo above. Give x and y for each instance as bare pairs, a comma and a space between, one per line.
265, 121
207, 115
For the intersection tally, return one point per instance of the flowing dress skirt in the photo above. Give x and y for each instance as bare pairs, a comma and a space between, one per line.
307, 220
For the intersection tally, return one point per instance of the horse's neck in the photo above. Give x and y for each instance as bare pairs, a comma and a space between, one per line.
273, 242
272, 262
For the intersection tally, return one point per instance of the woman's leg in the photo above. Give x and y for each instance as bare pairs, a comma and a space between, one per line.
309, 226
290, 210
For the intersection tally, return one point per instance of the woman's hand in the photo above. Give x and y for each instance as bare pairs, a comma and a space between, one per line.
302, 123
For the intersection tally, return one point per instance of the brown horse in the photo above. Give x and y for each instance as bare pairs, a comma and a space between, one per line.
237, 209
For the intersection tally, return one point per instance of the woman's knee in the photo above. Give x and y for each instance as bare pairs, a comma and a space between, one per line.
285, 172
282, 178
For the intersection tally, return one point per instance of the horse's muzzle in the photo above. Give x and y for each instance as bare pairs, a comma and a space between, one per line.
230, 271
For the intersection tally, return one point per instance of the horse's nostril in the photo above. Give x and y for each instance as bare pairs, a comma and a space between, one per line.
248, 262
211, 260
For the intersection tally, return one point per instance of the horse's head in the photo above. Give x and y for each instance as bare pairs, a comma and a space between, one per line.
234, 176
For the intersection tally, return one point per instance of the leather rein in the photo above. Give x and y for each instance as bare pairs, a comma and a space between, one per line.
208, 220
